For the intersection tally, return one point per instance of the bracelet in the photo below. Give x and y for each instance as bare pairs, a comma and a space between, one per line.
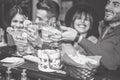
77, 37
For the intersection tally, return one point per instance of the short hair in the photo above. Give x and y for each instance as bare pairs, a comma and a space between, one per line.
50, 6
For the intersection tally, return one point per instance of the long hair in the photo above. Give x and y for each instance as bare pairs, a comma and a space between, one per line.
13, 11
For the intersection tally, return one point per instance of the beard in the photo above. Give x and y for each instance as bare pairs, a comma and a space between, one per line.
113, 20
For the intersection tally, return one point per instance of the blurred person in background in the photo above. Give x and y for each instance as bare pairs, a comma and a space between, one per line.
48, 13
15, 22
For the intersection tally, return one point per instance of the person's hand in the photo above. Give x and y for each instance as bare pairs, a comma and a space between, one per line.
66, 59
32, 33
91, 66
68, 33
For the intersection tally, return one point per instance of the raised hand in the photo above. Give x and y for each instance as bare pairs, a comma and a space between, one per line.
68, 33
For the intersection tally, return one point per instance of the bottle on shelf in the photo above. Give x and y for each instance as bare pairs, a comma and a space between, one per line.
0, 76
24, 74
8, 74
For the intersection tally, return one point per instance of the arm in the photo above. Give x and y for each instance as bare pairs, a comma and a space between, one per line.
10, 40
68, 49
106, 49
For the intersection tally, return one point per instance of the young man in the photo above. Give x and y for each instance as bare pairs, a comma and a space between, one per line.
108, 45
47, 10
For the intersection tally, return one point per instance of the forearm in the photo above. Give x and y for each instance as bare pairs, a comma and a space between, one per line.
68, 49
10, 40
109, 56
37, 43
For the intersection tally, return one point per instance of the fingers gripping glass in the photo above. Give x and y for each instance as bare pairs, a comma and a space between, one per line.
55, 37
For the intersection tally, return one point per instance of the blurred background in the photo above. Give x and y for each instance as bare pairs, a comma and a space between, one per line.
30, 7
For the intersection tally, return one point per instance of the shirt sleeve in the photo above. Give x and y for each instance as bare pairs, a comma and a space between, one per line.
106, 49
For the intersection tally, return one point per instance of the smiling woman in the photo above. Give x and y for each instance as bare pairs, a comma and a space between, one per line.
82, 21
16, 32
84, 18
15, 20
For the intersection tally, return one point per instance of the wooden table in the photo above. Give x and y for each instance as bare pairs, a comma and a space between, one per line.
33, 71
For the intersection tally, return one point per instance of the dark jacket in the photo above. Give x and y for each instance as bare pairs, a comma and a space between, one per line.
108, 47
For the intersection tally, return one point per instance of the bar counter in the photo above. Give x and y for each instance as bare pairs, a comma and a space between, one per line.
33, 71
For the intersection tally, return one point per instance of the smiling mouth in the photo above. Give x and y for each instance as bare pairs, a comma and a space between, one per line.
82, 26
108, 13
